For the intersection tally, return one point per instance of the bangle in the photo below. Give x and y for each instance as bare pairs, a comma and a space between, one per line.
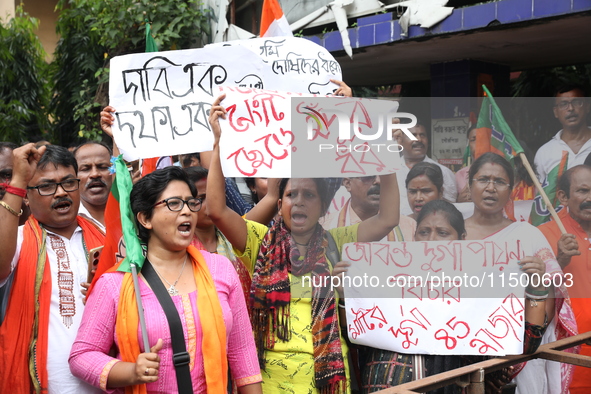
17, 191
9, 208
533, 302
533, 297
531, 291
341, 304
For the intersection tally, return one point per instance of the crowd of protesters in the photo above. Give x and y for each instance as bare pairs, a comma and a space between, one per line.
221, 264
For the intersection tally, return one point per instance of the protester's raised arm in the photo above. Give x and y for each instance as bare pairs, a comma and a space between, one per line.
343, 89
266, 209
107, 120
388, 217
227, 221
24, 163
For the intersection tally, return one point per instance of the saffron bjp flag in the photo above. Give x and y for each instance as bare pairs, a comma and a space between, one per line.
493, 134
155, 163
273, 22
539, 211
121, 242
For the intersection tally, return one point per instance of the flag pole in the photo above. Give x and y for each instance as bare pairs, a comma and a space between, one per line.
140, 308
540, 189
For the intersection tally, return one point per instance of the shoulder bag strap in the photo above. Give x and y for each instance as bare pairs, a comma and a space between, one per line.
180, 357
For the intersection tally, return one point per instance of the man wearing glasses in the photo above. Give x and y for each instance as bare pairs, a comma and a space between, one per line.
48, 260
571, 108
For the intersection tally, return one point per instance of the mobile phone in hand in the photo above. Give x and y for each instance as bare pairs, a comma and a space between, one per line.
93, 260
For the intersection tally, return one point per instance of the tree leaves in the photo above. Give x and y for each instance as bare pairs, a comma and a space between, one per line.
72, 89
24, 92
93, 32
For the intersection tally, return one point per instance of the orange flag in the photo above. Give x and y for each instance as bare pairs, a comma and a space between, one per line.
273, 22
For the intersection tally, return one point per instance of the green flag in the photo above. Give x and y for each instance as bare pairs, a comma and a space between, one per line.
151, 45
493, 134
121, 190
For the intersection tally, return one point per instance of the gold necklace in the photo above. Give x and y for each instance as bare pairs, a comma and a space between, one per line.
172, 289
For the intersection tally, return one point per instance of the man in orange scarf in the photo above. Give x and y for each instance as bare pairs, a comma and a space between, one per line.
574, 255
44, 262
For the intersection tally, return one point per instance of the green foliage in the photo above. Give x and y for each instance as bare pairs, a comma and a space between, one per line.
23, 84
542, 82
77, 57
119, 26
94, 31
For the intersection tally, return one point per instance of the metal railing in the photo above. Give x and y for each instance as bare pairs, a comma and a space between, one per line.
472, 376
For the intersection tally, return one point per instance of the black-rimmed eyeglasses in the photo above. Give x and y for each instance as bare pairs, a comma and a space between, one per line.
49, 189
176, 204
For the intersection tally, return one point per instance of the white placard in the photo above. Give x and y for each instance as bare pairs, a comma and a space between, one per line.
469, 300
278, 134
293, 64
163, 98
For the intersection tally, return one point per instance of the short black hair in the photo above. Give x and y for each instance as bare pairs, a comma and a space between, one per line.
251, 184
187, 157
147, 191
564, 182
58, 156
430, 170
452, 214
107, 147
196, 174
321, 187
493, 158
567, 87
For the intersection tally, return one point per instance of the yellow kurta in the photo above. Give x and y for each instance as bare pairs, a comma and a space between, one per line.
290, 364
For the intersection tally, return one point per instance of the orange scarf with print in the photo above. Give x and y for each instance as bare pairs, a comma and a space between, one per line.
24, 332
213, 345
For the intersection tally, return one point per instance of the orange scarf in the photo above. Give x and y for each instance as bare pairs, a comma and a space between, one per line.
24, 333
213, 345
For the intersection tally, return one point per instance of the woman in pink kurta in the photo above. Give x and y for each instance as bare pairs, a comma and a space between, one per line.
166, 218
89, 358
